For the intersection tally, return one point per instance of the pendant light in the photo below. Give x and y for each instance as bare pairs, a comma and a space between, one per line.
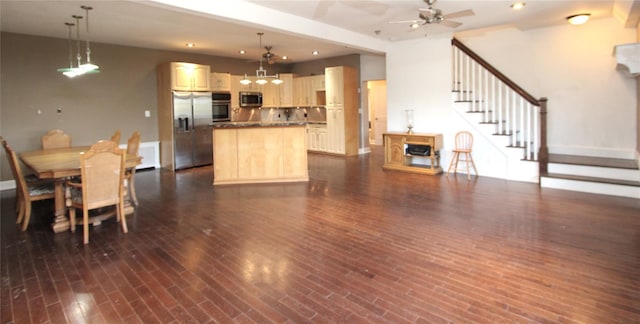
261, 73
70, 68
88, 67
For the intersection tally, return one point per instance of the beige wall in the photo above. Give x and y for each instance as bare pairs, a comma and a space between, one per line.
92, 106
638, 105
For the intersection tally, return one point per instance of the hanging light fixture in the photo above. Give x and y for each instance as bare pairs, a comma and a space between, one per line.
70, 68
73, 72
261, 73
88, 67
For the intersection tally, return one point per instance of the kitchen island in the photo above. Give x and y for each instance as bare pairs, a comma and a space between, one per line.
259, 152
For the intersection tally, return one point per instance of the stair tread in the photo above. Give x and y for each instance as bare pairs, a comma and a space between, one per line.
593, 161
591, 179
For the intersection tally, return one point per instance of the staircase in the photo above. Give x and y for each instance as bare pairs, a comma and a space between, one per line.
504, 113
515, 122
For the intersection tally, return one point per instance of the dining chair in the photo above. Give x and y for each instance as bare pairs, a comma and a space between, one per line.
26, 191
133, 146
116, 137
102, 174
55, 138
463, 147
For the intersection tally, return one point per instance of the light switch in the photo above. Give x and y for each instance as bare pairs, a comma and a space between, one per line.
147, 113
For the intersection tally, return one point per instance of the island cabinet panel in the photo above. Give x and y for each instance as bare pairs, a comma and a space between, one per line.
259, 154
225, 156
295, 153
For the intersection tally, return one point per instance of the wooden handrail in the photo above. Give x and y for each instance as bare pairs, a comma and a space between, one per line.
495, 72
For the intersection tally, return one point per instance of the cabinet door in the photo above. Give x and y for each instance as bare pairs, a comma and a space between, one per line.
335, 130
270, 95
220, 81
201, 78
225, 163
181, 76
294, 152
334, 85
321, 144
190, 77
286, 90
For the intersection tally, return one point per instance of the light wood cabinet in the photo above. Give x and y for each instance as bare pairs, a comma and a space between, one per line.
341, 86
396, 156
309, 91
317, 137
285, 90
270, 95
190, 77
220, 81
334, 85
259, 154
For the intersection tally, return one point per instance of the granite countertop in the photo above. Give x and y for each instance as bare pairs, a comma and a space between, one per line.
260, 124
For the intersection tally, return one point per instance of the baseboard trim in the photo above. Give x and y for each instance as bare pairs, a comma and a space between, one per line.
7, 185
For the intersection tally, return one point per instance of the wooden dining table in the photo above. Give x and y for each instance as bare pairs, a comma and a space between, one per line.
59, 164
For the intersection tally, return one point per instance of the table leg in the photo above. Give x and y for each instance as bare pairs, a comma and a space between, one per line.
60, 223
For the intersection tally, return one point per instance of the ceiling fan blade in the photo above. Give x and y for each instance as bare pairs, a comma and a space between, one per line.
323, 8
449, 23
370, 6
428, 11
405, 21
459, 14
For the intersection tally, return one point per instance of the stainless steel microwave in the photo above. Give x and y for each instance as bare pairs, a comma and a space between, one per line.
250, 99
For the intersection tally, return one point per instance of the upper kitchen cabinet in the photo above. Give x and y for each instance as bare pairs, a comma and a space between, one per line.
334, 85
286, 89
309, 91
220, 81
190, 77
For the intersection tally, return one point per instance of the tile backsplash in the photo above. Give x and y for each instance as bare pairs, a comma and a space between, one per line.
316, 114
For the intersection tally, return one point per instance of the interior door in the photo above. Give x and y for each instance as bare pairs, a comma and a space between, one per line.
377, 98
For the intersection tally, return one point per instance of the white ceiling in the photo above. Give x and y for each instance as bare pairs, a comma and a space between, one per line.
293, 27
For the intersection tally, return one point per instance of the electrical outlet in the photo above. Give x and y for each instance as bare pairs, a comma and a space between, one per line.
147, 113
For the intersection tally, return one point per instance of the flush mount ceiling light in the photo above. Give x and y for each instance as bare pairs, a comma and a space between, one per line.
190, 45
518, 5
578, 19
261, 73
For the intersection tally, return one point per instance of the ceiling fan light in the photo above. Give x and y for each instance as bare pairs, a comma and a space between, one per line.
578, 19
414, 25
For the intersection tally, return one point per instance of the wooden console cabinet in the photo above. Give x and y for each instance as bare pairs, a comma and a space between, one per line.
396, 158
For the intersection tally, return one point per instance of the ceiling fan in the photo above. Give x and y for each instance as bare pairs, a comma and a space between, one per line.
269, 57
433, 15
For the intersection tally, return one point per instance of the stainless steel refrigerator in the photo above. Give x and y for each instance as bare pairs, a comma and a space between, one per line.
192, 130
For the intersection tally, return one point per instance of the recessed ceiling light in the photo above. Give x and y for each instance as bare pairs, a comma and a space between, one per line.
414, 25
284, 57
241, 51
518, 5
578, 19
191, 45
315, 52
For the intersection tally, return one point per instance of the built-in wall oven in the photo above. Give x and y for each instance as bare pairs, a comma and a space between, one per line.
220, 106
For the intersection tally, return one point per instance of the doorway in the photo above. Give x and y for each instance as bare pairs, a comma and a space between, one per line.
377, 107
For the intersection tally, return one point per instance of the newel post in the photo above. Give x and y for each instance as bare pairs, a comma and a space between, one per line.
543, 154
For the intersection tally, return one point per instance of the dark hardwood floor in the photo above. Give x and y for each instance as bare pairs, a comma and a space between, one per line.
354, 244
